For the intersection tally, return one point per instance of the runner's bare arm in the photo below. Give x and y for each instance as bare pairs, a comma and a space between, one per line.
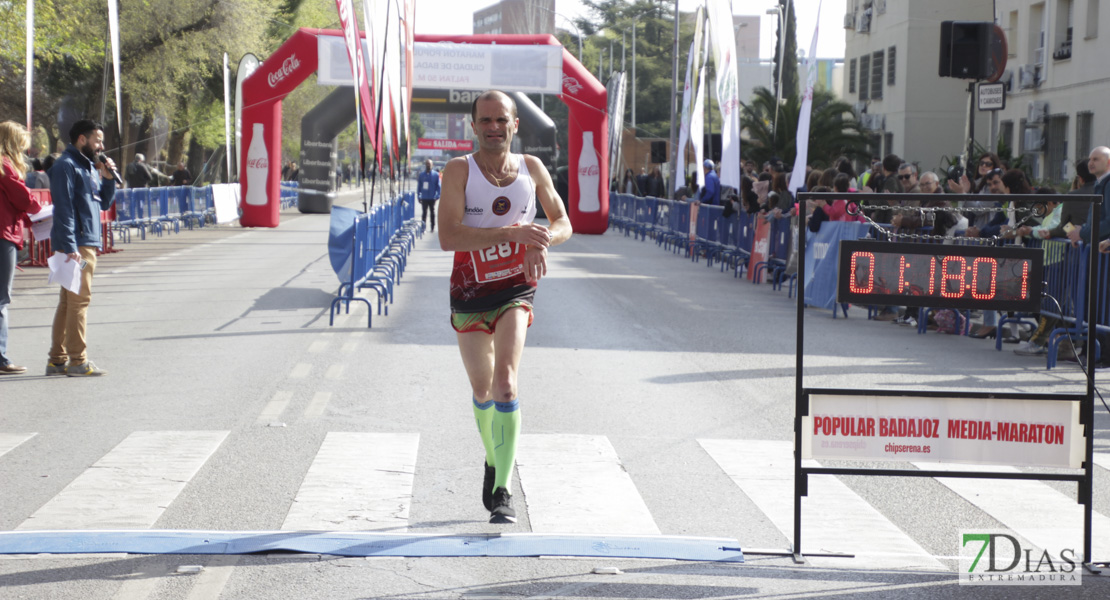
454, 236
559, 223
535, 258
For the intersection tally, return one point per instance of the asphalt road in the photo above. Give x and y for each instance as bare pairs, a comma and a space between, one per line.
659, 379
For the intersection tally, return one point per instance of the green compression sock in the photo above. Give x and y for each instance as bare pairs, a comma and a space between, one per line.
506, 432
483, 414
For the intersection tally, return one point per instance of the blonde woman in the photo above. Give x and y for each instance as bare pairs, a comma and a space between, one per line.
15, 205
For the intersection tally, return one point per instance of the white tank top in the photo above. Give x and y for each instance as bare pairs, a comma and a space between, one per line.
490, 206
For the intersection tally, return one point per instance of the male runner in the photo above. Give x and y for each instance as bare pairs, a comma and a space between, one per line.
486, 209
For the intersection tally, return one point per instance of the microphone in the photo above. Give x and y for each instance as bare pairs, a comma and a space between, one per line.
115, 173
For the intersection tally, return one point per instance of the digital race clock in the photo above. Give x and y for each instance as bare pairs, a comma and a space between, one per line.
940, 276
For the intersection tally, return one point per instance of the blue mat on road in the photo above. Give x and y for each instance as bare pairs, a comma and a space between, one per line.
369, 544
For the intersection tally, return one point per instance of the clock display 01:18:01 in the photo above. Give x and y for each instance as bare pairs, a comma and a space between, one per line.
940, 276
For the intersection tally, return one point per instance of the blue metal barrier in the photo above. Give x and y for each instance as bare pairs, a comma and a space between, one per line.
383, 238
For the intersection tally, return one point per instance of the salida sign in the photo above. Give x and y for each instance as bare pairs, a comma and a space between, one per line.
436, 144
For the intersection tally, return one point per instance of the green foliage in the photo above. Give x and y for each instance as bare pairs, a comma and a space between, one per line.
653, 22
834, 130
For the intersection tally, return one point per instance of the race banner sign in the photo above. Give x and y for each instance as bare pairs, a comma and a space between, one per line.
1030, 433
447, 66
437, 144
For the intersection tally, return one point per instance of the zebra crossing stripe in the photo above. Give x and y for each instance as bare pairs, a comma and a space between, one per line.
10, 441
132, 485
1102, 459
576, 484
834, 518
358, 482
1034, 510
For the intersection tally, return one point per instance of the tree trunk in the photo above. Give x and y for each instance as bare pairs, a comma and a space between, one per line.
196, 160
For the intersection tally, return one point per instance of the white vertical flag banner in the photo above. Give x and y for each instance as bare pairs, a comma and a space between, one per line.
797, 177
728, 94
30, 56
227, 117
374, 21
393, 60
697, 118
247, 64
113, 33
409, 18
693, 61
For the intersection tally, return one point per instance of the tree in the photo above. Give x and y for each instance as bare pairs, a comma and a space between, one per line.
788, 67
653, 21
833, 131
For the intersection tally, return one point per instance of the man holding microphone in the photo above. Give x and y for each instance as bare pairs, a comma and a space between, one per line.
81, 185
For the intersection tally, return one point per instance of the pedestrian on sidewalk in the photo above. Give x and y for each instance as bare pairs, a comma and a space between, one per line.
15, 204
427, 191
489, 202
80, 186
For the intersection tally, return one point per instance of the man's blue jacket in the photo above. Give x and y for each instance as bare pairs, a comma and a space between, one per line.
427, 186
79, 193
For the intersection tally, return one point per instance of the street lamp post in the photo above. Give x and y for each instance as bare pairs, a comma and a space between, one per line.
576, 30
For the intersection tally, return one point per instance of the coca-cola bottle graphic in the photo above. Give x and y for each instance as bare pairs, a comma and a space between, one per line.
258, 168
589, 175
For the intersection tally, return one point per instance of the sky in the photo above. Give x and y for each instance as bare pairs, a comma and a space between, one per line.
455, 16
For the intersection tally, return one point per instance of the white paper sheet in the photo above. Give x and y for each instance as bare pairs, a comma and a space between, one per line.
42, 222
66, 274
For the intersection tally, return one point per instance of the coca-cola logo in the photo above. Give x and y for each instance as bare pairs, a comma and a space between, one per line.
590, 171
287, 67
258, 163
571, 84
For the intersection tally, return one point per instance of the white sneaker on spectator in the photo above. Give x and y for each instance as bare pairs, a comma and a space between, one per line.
1030, 349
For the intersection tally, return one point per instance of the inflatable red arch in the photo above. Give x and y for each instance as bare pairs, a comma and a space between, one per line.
296, 59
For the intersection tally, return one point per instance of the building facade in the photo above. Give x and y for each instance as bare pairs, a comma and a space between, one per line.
892, 58
1057, 81
516, 16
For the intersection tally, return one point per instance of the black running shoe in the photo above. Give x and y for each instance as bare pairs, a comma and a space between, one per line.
487, 486
502, 511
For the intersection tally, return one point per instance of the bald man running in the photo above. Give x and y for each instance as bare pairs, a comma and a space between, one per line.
487, 204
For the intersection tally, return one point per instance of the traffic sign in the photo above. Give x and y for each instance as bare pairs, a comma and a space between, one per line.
992, 96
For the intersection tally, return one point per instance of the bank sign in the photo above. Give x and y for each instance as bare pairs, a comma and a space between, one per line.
1031, 433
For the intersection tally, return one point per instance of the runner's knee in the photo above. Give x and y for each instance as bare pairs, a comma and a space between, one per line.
504, 388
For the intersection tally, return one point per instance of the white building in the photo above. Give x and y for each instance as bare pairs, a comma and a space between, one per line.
1058, 78
892, 57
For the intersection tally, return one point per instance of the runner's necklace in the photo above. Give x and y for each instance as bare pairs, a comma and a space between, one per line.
497, 180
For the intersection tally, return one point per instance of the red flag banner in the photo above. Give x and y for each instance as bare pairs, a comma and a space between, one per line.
354, 52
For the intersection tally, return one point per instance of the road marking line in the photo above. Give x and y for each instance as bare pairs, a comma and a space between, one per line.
335, 372
1102, 459
300, 371
358, 482
211, 581
10, 441
143, 583
275, 407
764, 471
318, 346
132, 485
1034, 510
576, 484
318, 405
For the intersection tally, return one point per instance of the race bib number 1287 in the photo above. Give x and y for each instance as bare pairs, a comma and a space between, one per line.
498, 262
